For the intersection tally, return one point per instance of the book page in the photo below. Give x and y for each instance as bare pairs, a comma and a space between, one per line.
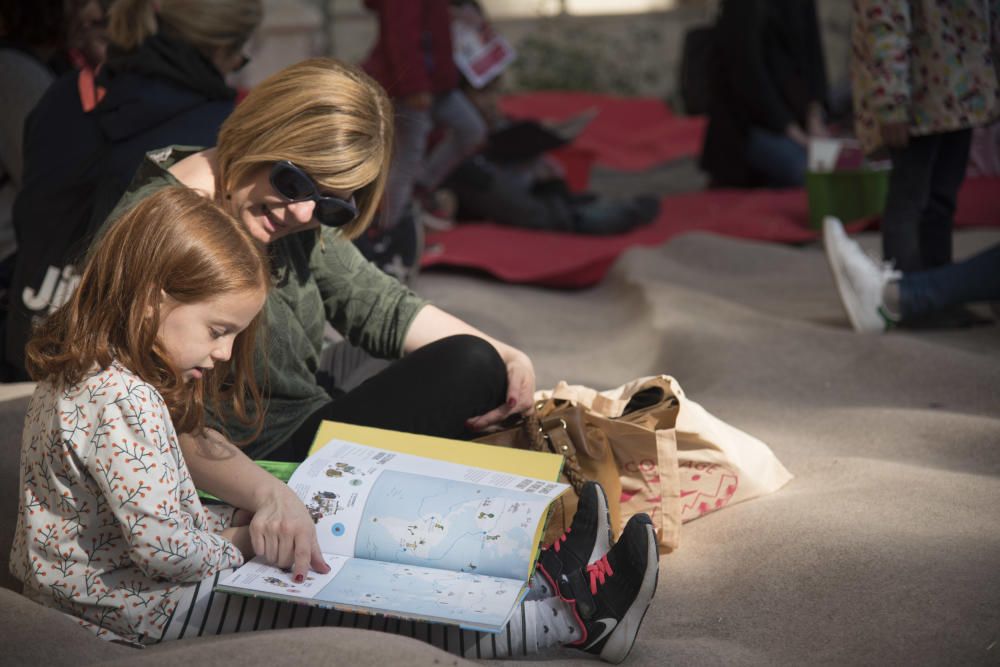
472, 601
393, 507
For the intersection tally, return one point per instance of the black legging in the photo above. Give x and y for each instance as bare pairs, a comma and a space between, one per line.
431, 391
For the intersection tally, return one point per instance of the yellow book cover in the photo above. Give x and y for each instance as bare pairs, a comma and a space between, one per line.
540, 465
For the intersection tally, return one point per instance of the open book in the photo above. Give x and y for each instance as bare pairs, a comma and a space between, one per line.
424, 537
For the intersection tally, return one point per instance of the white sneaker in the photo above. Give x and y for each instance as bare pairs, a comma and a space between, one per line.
860, 280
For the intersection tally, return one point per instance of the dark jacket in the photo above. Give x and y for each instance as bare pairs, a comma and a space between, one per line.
77, 164
413, 53
767, 66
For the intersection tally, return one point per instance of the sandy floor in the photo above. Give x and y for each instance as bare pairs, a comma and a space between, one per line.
885, 548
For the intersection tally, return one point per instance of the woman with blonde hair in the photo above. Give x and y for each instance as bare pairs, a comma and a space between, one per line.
302, 163
164, 82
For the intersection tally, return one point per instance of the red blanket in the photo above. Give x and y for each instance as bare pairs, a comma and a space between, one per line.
628, 133
568, 260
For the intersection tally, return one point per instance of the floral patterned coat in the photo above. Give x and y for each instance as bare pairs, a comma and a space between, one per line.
110, 528
929, 63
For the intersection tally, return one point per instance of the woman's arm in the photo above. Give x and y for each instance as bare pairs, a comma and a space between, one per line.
281, 529
432, 324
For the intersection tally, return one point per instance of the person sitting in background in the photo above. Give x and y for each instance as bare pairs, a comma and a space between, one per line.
511, 180
768, 91
877, 298
164, 83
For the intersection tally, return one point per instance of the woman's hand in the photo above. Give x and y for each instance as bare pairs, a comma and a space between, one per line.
797, 134
283, 532
520, 390
240, 537
432, 324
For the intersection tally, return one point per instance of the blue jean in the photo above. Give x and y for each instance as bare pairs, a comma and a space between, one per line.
928, 292
777, 160
464, 129
923, 192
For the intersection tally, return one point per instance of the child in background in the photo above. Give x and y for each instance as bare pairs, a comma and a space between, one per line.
413, 61
110, 528
924, 73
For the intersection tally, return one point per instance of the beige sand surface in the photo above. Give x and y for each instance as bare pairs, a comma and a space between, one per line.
885, 548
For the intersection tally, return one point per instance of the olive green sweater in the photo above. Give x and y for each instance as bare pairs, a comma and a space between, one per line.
318, 277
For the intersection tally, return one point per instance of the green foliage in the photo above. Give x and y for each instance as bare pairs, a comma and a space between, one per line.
567, 55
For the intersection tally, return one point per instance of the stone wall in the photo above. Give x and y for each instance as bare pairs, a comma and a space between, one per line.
637, 54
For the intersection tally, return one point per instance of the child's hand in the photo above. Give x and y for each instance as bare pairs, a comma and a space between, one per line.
284, 533
896, 135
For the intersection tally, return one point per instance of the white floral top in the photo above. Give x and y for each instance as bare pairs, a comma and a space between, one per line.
110, 527
929, 63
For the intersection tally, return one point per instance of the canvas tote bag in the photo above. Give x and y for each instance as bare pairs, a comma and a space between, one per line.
586, 440
700, 463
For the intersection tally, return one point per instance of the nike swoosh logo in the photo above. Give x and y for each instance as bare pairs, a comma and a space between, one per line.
609, 625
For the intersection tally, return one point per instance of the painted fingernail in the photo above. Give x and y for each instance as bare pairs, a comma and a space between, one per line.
299, 578
511, 402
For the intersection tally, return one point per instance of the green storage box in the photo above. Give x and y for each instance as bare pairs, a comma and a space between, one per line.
848, 195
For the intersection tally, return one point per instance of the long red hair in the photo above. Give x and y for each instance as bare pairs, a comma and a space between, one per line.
175, 242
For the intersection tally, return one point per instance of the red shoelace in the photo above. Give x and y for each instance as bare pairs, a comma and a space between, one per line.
598, 571
558, 543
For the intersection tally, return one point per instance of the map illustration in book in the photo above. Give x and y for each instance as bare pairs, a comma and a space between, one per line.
411, 536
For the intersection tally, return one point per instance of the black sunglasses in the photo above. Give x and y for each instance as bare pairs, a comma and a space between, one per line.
296, 185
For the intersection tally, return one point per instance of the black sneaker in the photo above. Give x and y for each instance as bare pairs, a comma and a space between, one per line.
610, 597
587, 540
